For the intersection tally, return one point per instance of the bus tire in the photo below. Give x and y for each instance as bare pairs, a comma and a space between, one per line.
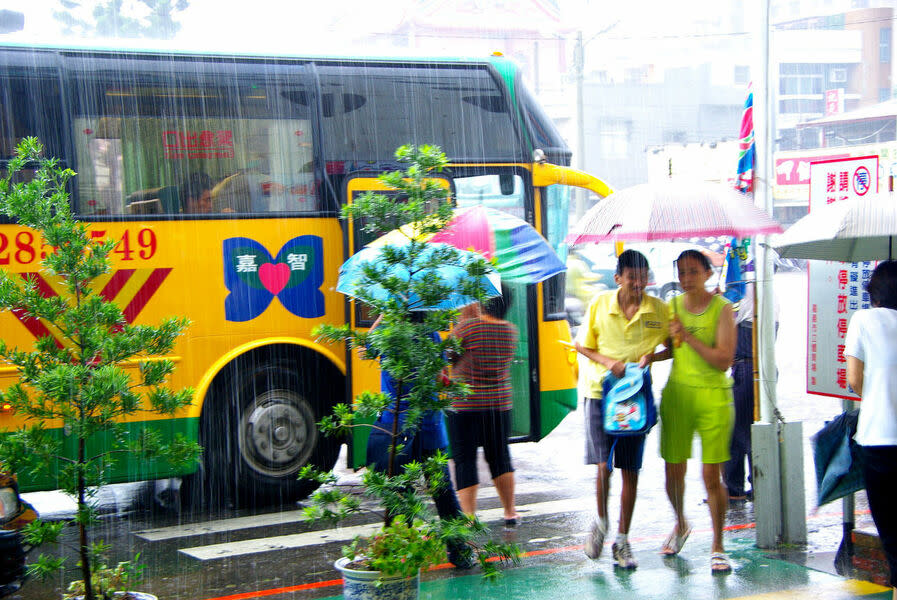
263, 428
669, 291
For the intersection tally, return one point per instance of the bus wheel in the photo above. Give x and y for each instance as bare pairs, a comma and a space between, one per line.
267, 432
669, 291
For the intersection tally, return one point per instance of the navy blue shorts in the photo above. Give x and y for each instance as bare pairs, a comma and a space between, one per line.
622, 451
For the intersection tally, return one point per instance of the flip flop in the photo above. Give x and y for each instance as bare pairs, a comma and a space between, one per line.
674, 542
719, 563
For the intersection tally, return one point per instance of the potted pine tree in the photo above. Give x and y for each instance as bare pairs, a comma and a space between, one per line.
416, 289
83, 384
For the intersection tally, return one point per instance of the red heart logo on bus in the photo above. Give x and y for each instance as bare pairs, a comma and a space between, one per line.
274, 276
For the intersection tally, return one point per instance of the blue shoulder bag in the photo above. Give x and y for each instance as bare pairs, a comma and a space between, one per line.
629, 402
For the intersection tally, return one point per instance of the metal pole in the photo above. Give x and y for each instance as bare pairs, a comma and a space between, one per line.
765, 436
763, 140
844, 555
578, 69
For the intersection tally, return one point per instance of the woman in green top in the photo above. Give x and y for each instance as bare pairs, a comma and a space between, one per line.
698, 397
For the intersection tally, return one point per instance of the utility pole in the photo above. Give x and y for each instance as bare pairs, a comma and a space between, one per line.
776, 445
579, 60
580, 163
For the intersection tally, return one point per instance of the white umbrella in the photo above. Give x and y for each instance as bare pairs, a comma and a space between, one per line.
848, 231
672, 210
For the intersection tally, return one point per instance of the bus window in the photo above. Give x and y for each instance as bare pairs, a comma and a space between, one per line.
556, 215
369, 111
503, 192
192, 145
29, 106
544, 134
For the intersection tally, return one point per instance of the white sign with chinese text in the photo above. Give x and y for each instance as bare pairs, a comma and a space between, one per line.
836, 289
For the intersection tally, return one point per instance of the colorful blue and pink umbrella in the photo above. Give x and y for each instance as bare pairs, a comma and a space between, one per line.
511, 245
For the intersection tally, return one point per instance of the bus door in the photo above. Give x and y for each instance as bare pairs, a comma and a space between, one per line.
365, 374
505, 190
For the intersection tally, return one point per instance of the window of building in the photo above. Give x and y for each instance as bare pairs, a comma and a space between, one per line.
884, 94
802, 106
742, 74
613, 139
837, 75
884, 45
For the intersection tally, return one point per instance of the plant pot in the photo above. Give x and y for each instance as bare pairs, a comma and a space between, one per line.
363, 585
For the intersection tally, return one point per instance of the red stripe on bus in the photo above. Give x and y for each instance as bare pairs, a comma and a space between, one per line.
40, 283
35, 326
145, 293
115, 284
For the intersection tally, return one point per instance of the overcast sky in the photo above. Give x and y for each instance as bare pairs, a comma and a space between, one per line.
647, 27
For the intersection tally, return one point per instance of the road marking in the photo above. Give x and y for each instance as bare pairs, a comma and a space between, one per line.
281, 518
835, 590
344, 534
220, 526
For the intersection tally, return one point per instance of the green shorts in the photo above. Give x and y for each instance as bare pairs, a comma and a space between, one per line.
685, 409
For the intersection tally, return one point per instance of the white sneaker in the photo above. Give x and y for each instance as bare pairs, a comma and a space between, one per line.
623, 556
595, 541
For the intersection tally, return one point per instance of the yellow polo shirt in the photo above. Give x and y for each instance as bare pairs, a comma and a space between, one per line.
606, 329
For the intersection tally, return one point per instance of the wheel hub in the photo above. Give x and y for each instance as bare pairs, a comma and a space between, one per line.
277, 432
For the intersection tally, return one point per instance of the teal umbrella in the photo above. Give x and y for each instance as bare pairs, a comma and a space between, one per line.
352, 278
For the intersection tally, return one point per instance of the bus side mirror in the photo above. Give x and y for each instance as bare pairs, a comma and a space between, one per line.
506, 183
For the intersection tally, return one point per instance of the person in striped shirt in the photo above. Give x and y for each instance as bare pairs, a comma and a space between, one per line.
483, 418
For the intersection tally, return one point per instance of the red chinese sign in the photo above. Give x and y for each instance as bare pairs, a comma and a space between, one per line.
198, 144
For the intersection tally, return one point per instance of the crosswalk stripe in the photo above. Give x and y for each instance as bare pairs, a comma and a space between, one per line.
279, 518
344, 534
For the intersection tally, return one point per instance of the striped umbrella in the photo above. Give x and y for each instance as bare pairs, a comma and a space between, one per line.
514, 248
852, 230
672, 210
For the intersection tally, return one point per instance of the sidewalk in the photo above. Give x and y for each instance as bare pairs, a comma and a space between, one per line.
567, 573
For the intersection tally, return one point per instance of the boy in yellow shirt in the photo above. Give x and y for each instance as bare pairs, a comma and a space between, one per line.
621, 326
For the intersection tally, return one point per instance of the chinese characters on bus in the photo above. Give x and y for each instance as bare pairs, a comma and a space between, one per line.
246, 262
198, 144
254, 278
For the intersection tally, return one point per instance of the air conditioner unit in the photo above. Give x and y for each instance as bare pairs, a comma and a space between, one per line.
837, 75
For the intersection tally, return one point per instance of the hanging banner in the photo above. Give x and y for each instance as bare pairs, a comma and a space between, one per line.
836, 289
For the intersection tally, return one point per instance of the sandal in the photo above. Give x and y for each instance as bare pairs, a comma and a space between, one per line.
674, 542
719, 563
513, 521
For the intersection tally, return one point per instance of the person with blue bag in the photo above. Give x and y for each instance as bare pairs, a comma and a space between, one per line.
621, 326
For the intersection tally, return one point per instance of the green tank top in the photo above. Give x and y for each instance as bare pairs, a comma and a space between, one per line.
689, 368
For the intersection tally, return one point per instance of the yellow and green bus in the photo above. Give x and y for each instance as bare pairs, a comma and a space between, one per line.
222, 178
